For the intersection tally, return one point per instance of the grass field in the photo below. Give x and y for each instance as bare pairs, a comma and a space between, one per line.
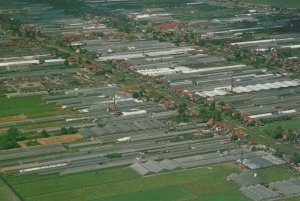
280, 3
6, 194
208, 12
286, 125
123, 184
32, 107
275, 174
24, 105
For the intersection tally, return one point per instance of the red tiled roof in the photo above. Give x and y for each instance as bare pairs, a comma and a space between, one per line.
239, 134
226, 107
196, 40
252, 142
165, 101
219, 125
72, 36
235, 112
189, 93
89, 66
210, 121
285, 133
172, 25
73, 59
246, 118
230, 128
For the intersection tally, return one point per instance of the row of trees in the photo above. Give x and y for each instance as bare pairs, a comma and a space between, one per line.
12, 136
139, 94
66, 131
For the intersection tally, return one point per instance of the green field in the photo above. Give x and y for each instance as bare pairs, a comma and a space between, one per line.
32, 106
286, 124
208, 12
275, 174
280, 3
6, 194
123, 184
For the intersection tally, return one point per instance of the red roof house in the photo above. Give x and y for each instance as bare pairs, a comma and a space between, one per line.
218, 125
239, 134
211, 121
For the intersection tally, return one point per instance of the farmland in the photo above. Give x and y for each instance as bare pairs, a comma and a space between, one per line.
124, 184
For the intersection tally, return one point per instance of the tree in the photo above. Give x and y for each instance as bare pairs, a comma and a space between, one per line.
251, 123
278, 153
9, 140
64, 131
135, 95
44, 133
221, 103
13, 132
278, 132
295, 158
182, 108
212, 106
234, 138
142, 92
228, 112
182, 118
114, 155
72, 130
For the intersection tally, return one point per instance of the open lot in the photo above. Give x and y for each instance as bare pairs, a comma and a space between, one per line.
125, 184
13, 118
59, 139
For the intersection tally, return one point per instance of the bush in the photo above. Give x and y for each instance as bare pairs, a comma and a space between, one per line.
114, 155
72, 130
234, 138
44, 133
9, 140
135, 95
64, 131
32, 143
295, 158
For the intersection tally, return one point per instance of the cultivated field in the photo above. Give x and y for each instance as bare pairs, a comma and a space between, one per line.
123, 184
